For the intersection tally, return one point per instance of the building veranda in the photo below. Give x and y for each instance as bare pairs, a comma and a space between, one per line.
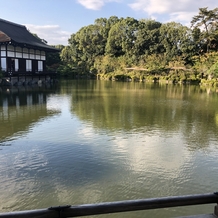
21, 53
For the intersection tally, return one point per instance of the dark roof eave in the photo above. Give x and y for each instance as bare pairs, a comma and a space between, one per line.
46, 48
43, 48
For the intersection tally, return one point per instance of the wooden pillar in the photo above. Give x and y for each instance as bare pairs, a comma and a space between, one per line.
216, 210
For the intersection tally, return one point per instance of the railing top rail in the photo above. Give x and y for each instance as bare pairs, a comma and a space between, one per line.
115, 207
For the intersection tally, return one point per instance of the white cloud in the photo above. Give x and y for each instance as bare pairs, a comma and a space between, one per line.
180, 10
184, 17
95, 4
53, 34
92, 4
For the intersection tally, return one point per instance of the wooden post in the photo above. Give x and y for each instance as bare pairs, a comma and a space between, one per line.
216, 210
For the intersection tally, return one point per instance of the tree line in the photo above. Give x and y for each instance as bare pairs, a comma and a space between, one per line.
127, 48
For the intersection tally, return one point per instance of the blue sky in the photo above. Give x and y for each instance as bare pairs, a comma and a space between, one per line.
56, 20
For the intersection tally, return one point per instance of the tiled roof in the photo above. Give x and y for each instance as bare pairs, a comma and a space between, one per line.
19, 34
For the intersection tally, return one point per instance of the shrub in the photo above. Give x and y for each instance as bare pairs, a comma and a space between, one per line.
214, 70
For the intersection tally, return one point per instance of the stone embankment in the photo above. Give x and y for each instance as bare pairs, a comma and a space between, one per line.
14, 81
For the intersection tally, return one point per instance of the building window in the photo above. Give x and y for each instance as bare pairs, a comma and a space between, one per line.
16, 64
3, 64
10, 48
3, 53
28, 65
37, 54
18, 49
3, 50
42, 55
18, 52
10, 54
40, 66
18, 55
25, 53
32, 54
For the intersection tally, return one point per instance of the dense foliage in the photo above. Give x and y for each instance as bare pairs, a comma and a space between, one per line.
126, 48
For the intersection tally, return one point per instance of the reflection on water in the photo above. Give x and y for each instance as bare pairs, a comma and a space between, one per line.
96, 141
20, 107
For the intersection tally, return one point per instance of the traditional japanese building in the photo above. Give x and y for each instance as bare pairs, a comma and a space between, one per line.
20, 51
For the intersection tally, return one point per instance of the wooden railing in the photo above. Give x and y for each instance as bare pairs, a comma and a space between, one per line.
115, 207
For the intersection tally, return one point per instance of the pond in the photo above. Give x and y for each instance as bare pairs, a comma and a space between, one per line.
79, 142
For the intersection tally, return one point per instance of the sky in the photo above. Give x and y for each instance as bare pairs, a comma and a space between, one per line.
56, 20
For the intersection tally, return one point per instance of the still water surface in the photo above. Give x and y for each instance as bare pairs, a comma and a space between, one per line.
84, 142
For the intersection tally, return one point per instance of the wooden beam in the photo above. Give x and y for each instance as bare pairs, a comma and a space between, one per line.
141, 204
115, 207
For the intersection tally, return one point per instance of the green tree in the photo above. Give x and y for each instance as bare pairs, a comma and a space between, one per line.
207, 20
148, 38
121, 37
176, 39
